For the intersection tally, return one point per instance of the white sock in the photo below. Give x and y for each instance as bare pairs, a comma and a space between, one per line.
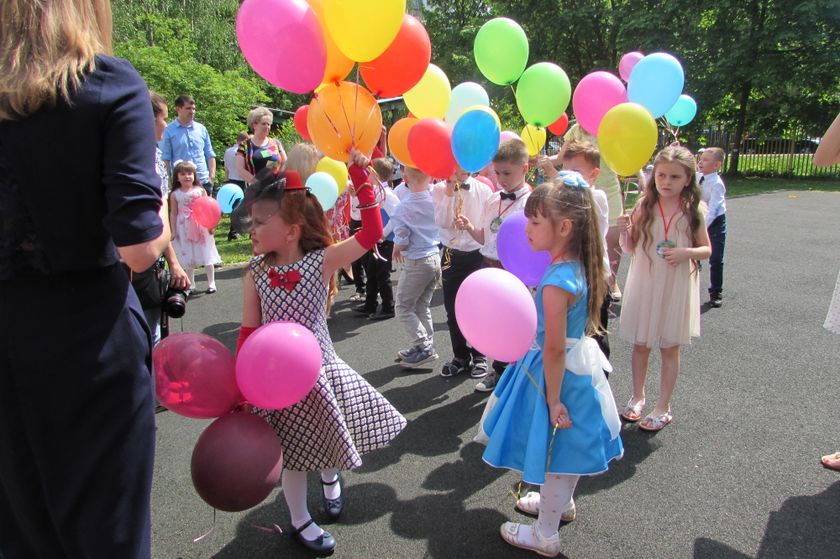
191, 275
294, 491
211, 276
330, 491
555, 497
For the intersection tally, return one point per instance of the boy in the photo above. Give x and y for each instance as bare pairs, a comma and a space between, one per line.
714, 194
459, 195
511, 166
416, 244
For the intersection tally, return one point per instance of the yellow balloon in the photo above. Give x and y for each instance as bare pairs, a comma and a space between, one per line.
627, 138
336, 169
430, 97
485, 109
338, 65
534, 138
363, 29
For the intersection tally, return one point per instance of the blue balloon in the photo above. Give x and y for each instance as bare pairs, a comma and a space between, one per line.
475, 140
229, 196
682, 112
324, 187
656, 83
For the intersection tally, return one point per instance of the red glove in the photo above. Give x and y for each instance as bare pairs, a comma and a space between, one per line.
244, 332
371, 231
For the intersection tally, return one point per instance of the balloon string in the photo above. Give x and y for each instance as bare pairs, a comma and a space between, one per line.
208, 532
274, 528
553, 432
355, 108
327, 116
350, 126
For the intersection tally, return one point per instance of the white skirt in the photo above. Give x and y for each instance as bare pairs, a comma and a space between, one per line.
832, 319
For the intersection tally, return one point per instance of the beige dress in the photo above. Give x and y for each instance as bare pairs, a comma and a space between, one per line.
661, 303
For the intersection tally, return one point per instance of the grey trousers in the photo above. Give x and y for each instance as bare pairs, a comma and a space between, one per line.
414, 295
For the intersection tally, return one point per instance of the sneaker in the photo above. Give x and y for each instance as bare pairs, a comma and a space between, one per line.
454, 368
363, 309
357, 297
479, 368
715, 299
488, 384
419, 358
403, 353
384, 314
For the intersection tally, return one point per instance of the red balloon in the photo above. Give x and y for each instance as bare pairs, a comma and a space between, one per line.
206, 211
195, 375
300, 122
236, 462
559, 126
401, 66
430, 146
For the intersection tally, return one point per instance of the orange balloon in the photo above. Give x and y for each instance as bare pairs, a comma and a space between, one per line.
398, 140
343, 116
338, 65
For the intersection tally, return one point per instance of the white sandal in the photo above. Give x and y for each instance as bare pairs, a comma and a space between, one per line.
528, 537
530, 504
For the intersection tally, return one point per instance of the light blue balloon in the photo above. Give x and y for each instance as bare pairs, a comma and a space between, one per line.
682, 112
475, 140
464, 96
324, 187
229, 196
656, 83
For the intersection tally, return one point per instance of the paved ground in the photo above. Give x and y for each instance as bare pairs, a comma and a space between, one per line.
735, 476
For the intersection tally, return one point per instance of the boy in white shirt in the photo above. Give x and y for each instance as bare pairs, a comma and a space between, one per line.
714, 194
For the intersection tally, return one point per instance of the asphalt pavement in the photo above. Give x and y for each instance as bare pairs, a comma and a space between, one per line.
735, 476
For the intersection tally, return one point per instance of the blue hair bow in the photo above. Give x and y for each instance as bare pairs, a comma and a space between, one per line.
573, 179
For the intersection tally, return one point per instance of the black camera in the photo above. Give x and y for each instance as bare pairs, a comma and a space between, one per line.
175, 302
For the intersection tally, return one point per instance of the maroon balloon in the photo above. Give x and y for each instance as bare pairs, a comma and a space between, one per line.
236, 462
195, 375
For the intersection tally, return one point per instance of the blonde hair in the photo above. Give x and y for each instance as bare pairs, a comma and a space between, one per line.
512, 151
556, 201
303, 158
718, 153
588, 150
257, 115
46, 48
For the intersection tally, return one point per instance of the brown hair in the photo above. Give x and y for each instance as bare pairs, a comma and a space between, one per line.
384, 169
46, 48
184, 100
557, 201
180, 167
158, 103
644, 212
303, 158
588, 150
717, 152
512, 151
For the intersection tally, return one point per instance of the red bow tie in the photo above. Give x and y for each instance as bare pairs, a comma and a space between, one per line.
287, 280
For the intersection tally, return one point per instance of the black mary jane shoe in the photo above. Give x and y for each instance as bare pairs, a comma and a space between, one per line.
333, 507
321, 546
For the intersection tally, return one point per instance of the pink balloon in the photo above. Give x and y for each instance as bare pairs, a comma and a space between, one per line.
596, 94
487, 181
496, 313
206, 211
278, 365
236, 462
625, 66
283, 42
194, 375
508, 135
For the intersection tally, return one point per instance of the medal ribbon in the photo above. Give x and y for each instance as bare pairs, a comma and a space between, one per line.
666, 225
502, 212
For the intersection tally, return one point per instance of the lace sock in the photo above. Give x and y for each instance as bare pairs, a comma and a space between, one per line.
555, 497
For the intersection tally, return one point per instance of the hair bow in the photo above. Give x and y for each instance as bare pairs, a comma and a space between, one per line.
288, 281
573, 179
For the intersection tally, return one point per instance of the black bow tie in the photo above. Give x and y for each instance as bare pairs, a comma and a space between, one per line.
508, 196
702, 179
464, 186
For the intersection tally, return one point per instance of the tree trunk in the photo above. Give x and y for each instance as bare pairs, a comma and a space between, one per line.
739, 129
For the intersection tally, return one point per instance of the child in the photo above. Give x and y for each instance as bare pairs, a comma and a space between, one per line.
714, 194
416, 245
552, 416
511, 165
460, 195
343, 416
664, 234
194, 244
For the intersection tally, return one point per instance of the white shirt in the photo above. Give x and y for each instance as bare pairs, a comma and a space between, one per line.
495, 212
714, 194
603, 210
230, 164
401, 190
474, 199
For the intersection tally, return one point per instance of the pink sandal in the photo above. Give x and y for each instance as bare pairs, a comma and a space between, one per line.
633, 412
657, 422
831, 461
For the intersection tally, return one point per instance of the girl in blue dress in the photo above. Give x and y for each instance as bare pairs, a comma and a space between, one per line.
552, 417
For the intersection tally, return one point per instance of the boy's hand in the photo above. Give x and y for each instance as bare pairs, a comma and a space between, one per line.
675, 256
397, 256
462, 223
623, 222
547, 165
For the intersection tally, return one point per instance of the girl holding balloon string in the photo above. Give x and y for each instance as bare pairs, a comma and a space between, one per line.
194, 244
665, 234
552, 416
342, 417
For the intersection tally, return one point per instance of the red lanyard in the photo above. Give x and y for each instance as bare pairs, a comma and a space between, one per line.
502, 212
667, 225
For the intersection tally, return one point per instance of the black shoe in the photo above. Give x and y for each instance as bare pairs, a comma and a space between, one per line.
321, 546
333, 507
456, 367
384, 314
232, 236
363, 309
715, 299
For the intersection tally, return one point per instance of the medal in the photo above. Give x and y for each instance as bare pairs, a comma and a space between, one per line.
663, 246
495, 224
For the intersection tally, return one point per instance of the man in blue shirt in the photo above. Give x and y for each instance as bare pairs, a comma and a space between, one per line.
188, 140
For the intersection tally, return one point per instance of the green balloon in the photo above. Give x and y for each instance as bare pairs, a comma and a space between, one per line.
501, 50
543, 93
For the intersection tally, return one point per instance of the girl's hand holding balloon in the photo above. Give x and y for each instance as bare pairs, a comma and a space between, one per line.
359, 159
558, 415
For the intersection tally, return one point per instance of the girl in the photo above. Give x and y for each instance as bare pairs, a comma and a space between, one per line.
290, 279
665, 233
194, 245
552, 417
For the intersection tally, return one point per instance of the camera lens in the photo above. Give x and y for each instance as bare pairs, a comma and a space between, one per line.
175, 304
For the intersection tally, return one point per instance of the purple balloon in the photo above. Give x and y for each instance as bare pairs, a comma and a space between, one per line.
516, 253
